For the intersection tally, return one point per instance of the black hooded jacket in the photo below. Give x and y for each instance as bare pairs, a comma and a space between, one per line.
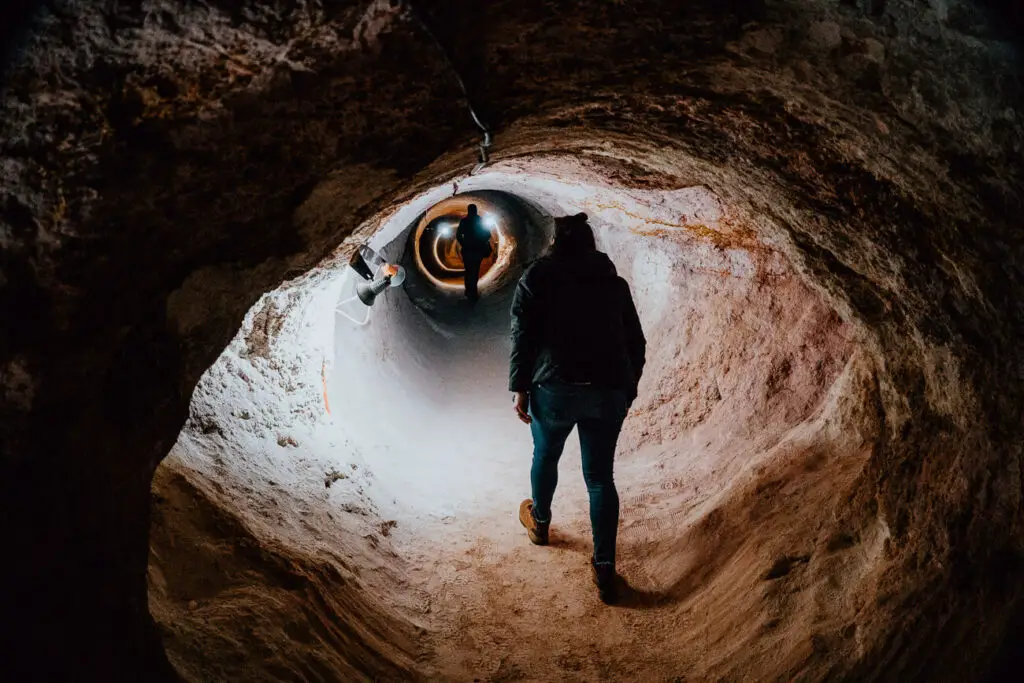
474, 238
573, 320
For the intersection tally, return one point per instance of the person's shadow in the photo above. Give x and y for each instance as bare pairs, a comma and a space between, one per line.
630, 597
636, 598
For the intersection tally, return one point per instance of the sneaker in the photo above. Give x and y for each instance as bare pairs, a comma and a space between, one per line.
605, 580
538, 531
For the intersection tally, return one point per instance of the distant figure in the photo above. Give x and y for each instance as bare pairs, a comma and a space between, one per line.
475, 240
577, 355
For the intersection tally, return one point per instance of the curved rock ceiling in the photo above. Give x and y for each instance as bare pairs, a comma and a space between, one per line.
166, 163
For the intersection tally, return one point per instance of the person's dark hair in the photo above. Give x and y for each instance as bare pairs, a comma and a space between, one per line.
573, 237
472, 209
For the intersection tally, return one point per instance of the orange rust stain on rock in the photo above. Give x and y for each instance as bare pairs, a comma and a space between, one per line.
735, 238
323, 376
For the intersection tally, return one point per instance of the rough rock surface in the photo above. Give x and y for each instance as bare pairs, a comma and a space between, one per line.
235, 599
154, 152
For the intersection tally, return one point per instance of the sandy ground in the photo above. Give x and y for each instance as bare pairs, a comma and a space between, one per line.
503, 609
507, 610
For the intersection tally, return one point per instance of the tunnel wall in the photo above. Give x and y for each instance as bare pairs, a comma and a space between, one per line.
152, 167
234, 603
269, 553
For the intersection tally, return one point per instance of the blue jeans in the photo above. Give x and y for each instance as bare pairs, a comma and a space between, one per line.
471, 263
598, 415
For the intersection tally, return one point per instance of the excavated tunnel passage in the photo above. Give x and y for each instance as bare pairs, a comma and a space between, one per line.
386, 438
220, 465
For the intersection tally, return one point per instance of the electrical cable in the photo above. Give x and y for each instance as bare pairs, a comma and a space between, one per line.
424, 21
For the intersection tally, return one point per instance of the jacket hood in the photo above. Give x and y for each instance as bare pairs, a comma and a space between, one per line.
591, 264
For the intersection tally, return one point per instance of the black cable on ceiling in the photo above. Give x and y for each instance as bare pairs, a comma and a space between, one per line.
424, 20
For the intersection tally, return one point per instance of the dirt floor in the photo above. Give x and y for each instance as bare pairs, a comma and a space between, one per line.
702, 575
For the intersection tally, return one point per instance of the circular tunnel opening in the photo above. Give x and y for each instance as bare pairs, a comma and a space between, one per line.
437, 253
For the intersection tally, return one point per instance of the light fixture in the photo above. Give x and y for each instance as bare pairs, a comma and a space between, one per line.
394, 276
364, 262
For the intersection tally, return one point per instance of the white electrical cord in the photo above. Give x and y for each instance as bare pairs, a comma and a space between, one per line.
394, 278
343, 312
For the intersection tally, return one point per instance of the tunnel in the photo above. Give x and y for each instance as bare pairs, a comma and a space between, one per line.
221, 464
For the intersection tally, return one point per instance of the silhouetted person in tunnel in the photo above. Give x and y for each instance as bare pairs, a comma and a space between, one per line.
577, 355
475, 240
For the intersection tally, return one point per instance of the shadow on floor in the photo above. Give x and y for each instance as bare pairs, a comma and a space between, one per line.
571, 543
635, 598
630, 597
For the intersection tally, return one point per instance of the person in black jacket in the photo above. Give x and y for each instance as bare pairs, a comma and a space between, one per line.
577, 356
475, 240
